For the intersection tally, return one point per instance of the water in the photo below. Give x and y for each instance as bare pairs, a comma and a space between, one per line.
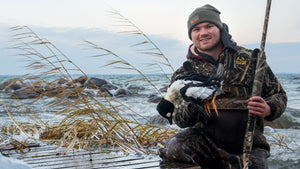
285, 143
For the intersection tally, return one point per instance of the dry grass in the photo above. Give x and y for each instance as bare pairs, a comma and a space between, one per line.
88, 123
282, 141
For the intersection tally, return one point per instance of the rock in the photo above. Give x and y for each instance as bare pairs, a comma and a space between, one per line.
75, 85
11, 84
48, 87
158, 120
94, 83
280, 123
15, 86
109, 86
90, 92
154, 99
5, 84
78, 82
164, 89
62, 81
134, 88
25, 93
122, 92
81, 80
104, 93
70, 93
53, 90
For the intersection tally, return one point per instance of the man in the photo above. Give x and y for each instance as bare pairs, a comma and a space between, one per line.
215, 140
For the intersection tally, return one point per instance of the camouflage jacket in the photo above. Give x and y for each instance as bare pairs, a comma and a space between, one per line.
238, 76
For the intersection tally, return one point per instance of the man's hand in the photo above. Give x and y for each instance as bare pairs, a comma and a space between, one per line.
258, 106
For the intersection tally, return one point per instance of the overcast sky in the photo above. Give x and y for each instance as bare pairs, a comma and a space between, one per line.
157, 18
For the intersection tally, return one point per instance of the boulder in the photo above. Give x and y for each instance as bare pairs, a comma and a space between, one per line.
104, 93
15, 84
134, 88
94, 83
81, 80
90, 92
62, 81
158, 120
154, 99
280, 123
8, 83
164, 89
24, 93
122, 92
54, 90
78, 82
109, 86
70, 93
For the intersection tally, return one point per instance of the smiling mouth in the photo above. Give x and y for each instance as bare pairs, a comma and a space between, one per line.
204, 39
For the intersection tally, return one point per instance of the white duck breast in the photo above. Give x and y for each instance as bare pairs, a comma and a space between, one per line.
173, 92
199, 92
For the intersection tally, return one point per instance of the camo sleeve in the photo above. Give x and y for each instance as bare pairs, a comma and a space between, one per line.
274, 95
183, 117
178, 73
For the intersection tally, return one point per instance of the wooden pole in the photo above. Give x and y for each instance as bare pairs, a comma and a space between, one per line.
256, 90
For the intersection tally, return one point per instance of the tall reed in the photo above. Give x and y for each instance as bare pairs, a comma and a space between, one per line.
89, 122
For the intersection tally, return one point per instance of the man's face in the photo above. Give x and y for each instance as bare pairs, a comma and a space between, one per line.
206, 37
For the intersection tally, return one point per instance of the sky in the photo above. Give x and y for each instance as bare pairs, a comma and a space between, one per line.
68, 23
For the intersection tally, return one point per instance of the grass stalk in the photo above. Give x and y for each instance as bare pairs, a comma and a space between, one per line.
88, 121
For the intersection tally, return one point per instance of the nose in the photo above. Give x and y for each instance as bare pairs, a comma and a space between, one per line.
203, 31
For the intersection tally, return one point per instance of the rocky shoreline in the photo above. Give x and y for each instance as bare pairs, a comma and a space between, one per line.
83, 86
25, 88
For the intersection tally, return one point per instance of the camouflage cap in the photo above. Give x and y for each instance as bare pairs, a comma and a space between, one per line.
206, 13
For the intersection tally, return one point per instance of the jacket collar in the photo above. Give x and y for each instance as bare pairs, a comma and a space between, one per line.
194, 53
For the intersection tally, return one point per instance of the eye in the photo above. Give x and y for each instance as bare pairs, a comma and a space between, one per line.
195, 29
210, 26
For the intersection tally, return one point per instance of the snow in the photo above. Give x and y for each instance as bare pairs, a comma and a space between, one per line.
8, 163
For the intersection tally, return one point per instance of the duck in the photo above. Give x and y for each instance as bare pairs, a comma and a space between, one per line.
191, 87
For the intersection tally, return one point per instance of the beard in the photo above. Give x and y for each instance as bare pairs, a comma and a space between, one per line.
208, 48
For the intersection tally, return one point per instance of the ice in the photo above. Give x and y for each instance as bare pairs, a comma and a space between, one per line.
9, 163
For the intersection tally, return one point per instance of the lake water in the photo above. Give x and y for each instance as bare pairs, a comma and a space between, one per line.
285, 156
